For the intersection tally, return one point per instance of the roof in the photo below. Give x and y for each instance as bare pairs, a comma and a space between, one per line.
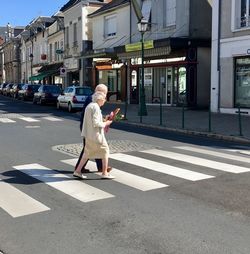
112, 5
71, 3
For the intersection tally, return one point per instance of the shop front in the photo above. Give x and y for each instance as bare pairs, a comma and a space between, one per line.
170, 74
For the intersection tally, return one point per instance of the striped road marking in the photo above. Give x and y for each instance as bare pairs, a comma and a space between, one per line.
160, 167
76, 189
52, 119
28, 119
6, 120
199, 161
17, 203
125, 178
214, 153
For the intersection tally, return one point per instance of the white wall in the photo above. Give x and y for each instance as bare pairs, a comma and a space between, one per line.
123, 29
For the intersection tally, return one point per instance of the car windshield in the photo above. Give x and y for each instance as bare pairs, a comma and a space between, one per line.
35, 88
51, 89
83, 91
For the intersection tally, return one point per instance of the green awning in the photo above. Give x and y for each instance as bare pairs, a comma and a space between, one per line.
42, 75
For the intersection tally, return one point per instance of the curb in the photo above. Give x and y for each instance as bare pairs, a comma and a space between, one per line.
190, 132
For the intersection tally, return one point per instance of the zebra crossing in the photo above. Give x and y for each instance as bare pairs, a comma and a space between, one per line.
13, 118
16, 203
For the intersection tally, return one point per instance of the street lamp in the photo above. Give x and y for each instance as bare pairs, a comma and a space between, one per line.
142, 27
31, 66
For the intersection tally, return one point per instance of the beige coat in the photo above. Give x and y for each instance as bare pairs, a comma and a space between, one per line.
93, 132
93, 125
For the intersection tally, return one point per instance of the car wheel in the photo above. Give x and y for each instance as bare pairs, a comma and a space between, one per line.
40, 101
70, 109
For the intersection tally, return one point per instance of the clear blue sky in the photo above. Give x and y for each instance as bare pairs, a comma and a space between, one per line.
21, 12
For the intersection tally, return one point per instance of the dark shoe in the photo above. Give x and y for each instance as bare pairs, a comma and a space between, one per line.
108, 169
84, 171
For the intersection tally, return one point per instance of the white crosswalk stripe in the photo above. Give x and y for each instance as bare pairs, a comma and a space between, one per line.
160, 167
199, 161
215, 153
52, 119
28, 119
13, 119
76, 189
6, 120
17, 203
125, 178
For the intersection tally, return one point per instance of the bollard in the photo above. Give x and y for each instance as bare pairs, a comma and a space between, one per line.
209, 119
240, 124
183, 118
160, 111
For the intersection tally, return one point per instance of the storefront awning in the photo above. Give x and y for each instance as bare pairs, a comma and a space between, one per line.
42, 75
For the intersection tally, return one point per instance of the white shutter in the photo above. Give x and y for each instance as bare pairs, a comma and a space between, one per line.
110, 26
170, 12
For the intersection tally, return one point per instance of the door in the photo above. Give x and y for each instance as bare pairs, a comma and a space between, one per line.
134, 88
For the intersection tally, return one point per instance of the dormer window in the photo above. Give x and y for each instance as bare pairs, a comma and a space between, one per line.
110, 28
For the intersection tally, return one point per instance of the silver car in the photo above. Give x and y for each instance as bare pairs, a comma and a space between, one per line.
73, 97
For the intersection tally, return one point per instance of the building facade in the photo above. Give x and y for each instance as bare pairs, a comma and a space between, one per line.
230, 77
78, 40
177, 47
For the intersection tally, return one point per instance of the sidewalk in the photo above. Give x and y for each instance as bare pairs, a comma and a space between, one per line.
195, 122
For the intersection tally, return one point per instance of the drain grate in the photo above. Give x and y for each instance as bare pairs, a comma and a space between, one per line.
116, 146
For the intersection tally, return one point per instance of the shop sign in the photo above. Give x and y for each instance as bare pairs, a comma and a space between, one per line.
137, 46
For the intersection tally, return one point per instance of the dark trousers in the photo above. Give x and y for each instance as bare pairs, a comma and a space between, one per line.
98, 161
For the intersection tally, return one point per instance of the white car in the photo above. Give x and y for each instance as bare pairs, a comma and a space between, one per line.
73, 97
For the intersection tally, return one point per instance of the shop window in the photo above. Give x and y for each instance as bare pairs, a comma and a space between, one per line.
242, 82
110, 26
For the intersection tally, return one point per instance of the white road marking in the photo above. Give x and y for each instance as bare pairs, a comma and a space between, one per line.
6, 120
160, 167
76, 189
199, 161
28, 119
134, 181
215, 153
32, 126
53, 119
17, 203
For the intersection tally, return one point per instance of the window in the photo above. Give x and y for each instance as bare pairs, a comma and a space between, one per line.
242, 82
241, 13
169, 14
67, 36
50, 52
75, 33
110, 26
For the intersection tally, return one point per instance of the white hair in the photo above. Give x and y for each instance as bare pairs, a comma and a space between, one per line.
101, 88
98, 96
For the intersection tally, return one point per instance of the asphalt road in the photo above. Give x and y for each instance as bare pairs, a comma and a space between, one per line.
173, 194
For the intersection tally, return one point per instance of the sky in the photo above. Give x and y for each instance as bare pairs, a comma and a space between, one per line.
22, 12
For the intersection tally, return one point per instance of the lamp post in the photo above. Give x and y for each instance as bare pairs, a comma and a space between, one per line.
31, 66
142, 27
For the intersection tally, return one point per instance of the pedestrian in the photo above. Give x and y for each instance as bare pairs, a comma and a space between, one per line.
96, 145
99, 88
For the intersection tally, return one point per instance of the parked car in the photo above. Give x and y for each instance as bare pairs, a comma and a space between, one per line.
47, 94
15, 89
73, 97
2, 87
27, 91
6, 90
